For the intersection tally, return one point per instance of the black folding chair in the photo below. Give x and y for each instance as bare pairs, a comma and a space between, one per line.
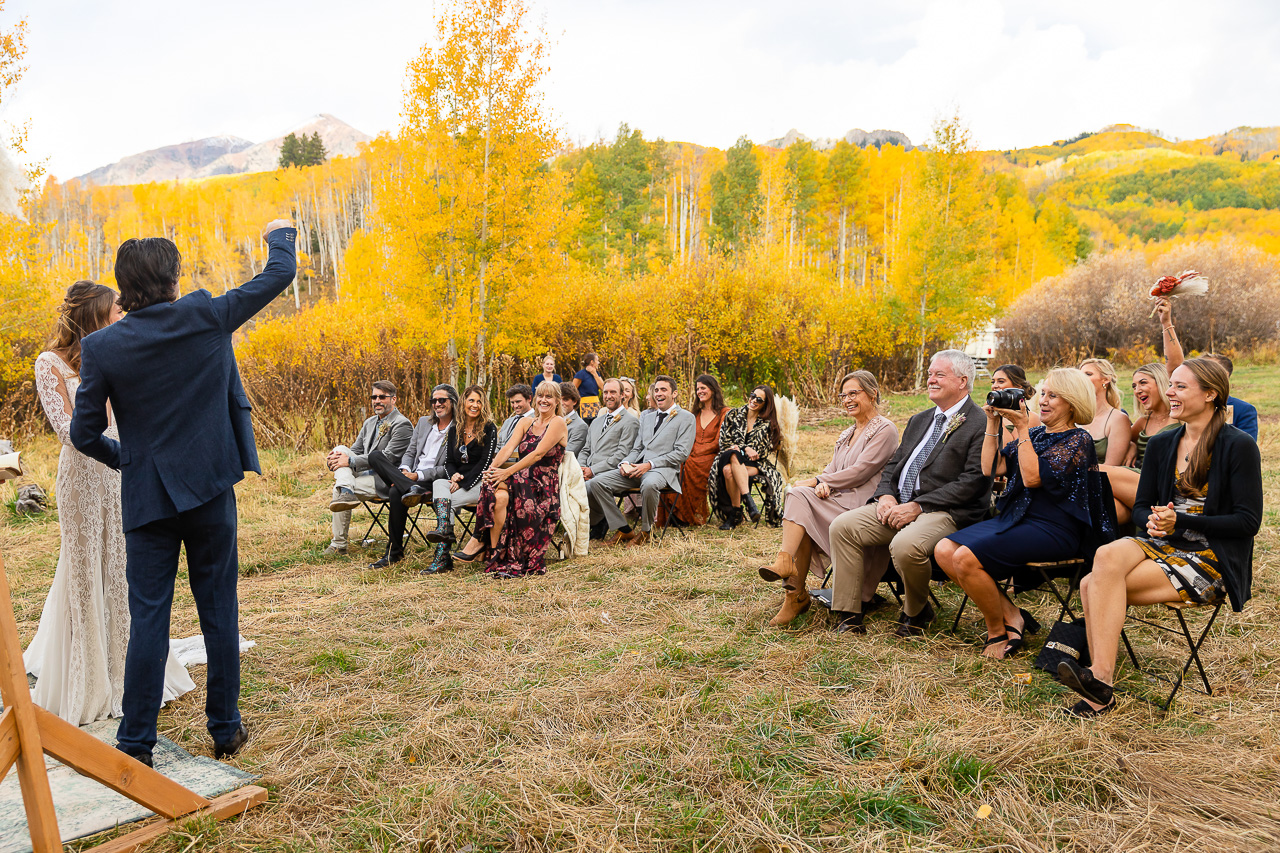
891, 577
1194, 642
376, 505
667, 496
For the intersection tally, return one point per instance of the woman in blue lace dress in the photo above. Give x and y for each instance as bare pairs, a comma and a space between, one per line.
1052, 507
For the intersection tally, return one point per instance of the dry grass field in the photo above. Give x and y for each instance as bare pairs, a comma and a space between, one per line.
635, 700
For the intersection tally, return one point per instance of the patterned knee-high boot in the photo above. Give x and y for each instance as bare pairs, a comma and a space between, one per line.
442, 562
444, 522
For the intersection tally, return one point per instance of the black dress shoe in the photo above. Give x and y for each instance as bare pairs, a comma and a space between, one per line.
226, 750
850, 623
913, 626
1081, 680
386, 560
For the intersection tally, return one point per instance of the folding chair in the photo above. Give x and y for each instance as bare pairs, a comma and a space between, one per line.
376, 505
665, 496
1193, 647
891, 577
1042, 575
465, 517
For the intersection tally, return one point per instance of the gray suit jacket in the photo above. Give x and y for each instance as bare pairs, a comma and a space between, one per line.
577, 433
409, 461
392, 442
606, 448
666, 448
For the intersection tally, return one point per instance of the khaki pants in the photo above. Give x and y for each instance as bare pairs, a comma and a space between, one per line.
364, 485
911, 549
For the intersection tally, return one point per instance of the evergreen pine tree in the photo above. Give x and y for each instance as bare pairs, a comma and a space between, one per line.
290, 152
313, 153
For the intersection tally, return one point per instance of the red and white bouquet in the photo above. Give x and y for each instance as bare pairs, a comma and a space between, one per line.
1187, 283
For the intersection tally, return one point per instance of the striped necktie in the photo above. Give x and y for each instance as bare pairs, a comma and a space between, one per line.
913, 473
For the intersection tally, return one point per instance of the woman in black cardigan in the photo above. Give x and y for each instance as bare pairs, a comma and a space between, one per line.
469, 449
1199, 505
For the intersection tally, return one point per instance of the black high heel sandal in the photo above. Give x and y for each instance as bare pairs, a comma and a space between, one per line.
463, 557
1015, 642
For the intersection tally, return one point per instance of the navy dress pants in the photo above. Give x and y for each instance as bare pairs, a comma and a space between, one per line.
209, 534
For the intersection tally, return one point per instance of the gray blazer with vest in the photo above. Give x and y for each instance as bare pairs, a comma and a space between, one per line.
606, 447
392, 442
951, 480
666, 447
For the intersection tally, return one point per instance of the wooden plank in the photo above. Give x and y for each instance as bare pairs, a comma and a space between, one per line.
228, 805
8, 741
90, 757
37, 798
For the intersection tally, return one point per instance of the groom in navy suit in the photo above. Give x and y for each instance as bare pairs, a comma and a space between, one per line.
169, 374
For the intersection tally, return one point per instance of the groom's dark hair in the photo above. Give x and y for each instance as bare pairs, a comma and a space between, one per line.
147, 271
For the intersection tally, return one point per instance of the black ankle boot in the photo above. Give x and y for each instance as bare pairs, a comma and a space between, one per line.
444, 522
752, 511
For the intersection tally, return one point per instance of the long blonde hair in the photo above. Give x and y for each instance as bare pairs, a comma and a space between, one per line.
632, 402
1108, 372
1157, 372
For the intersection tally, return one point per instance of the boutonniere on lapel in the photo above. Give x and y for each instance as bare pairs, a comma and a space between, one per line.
382, 429
952, 427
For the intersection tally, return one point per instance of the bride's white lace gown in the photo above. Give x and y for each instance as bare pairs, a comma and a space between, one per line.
77, 655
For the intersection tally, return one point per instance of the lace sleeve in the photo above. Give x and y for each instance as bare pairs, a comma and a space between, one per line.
52, 388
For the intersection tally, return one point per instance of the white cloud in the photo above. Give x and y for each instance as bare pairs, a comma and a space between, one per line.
114, 78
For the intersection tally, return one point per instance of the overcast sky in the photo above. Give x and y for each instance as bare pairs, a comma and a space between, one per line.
109, 78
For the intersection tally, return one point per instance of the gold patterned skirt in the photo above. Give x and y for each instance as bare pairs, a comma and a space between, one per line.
1194, 574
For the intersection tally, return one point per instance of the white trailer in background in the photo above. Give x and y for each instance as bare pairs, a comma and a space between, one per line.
982, 347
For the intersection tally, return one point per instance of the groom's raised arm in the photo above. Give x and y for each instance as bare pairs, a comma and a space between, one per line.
89, 417
237, 306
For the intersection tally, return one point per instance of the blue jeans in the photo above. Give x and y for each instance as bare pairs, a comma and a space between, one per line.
209, 534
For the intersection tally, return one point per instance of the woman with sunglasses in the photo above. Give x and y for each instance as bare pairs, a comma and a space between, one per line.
748, 437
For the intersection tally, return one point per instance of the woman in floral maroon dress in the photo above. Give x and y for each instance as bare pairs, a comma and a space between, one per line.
520, 505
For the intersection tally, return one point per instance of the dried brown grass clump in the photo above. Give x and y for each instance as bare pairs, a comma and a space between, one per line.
635, 701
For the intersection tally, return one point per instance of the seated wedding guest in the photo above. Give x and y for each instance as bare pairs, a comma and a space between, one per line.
520, 505
1051, 509
1198, 509
653, 464
846, 483
708, 411
386, 430
749, 435
611, 435
1110, 427
573, 421
470, 448
629, 397
1243, 416
520, 398
588, 382
1149, 385
1013, 376
931, 487
422, 464
548, 373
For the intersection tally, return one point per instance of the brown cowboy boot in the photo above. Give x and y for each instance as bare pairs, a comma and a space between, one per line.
641, 537
622, 537
795, 603
783, 567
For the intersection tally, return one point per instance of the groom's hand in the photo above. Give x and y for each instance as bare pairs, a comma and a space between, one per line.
274, 225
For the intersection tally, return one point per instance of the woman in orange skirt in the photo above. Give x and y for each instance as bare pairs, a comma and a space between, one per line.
708, 410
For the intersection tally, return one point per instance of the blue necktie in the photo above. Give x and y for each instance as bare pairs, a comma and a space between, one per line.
913, 473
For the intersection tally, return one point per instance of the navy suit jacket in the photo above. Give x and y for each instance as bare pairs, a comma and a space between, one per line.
170, 374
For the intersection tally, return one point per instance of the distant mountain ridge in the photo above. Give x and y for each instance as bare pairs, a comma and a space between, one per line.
857, 136
223, 155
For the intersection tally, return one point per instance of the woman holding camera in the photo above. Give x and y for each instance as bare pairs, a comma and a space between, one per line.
1013, 376
1198, 508
1049, 508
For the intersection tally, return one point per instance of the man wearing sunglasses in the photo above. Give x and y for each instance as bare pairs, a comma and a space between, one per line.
386, 430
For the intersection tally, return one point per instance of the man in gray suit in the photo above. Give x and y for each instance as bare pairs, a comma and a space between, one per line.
612, 433
386, 430
662, 444
572, 420
521, 399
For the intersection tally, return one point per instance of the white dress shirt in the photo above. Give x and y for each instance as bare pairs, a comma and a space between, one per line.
950, 413
431, 450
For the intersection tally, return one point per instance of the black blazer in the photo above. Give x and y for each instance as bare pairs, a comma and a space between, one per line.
951, 479
1232, 506
170, 373
479, 454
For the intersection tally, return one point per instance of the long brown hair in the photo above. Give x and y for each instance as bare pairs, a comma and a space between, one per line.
463, 421
770, 413
85, 309
1210, 376
716, 403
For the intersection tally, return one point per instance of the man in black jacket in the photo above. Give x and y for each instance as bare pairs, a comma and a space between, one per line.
931, 487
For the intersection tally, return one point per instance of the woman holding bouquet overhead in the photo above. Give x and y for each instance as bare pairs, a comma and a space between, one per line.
1198, 508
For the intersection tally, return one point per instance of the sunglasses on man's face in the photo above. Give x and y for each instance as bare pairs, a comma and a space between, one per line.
379, 396
439, 401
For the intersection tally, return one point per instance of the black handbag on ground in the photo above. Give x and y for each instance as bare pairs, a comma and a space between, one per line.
1065, 640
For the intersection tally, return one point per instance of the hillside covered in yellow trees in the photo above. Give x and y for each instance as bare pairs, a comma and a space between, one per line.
473, 240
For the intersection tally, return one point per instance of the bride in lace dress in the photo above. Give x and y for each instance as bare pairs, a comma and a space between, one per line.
78, 652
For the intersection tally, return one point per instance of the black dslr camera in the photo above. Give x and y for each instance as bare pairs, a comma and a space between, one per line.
1006, 398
